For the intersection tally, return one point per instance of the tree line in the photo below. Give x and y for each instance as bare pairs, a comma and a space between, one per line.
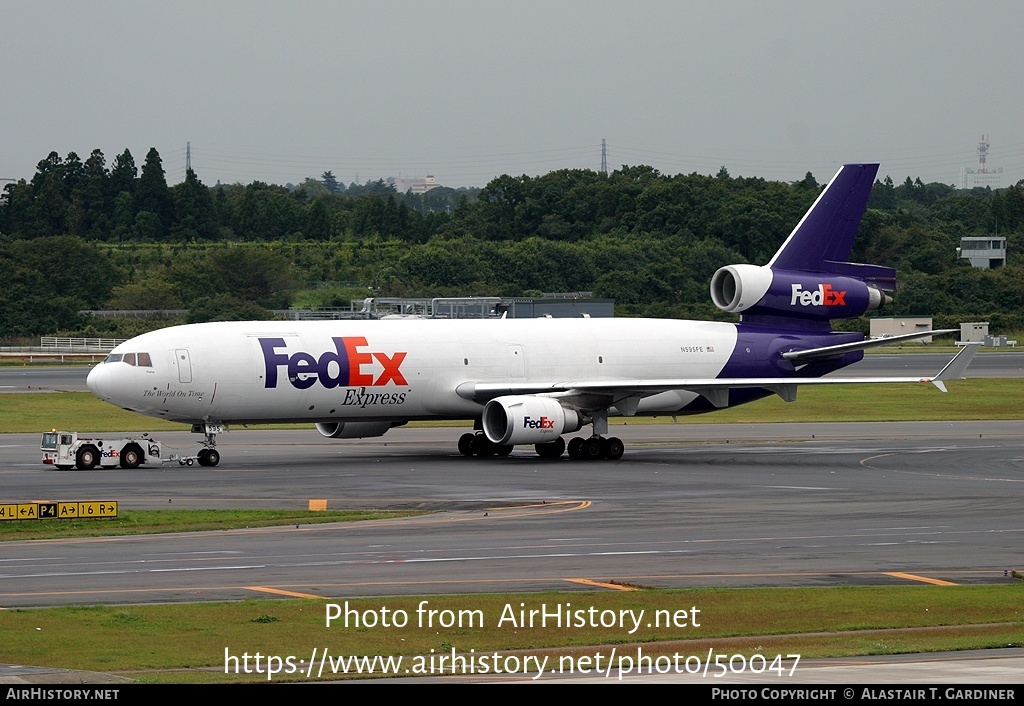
81, 235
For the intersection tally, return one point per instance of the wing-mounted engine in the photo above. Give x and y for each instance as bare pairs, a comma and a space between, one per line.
528, 419
353, 430
820, 296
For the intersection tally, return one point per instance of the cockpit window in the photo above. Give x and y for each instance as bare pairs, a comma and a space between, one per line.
143, 360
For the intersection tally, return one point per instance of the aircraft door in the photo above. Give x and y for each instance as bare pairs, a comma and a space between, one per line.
516, 362
184, 363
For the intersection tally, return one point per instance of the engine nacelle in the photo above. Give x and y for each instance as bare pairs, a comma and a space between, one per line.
352, 430
750, 289
527, 419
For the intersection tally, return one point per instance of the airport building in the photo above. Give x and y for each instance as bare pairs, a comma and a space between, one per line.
557, 306
972, 178
984, 252
417, 185
885, 326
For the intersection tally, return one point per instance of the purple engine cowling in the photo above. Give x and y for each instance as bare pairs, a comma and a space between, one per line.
819, 296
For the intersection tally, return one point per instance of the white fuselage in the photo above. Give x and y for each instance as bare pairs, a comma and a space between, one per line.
329, 371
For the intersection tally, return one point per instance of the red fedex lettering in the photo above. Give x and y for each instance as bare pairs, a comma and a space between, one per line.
391, 369
834, 297
355, 360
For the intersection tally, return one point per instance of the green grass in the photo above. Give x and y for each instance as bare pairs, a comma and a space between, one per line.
161, 521
16, 362
977, 398
79, 411
154, 643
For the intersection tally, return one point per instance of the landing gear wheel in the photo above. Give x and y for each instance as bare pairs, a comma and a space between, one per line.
504, 450
466, 444
575, 446
591, 449
613, 448
483, 447
208, 455
87, 457
131, 456
551, 449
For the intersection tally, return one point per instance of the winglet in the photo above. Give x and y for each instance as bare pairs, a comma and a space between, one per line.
956, 368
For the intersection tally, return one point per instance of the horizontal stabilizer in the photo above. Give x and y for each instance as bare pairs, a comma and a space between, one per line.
828, 351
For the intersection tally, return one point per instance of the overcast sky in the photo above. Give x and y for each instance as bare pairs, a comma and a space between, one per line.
280, 91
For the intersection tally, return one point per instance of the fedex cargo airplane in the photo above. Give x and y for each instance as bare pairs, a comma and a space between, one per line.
529, 382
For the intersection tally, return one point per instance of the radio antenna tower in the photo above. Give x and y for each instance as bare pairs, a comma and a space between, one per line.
982, 154
188, 157
604, 158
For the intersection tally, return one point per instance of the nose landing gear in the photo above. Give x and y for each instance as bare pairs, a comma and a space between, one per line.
208, 455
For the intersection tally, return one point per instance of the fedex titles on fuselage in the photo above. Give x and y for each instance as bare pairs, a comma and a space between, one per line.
342, 367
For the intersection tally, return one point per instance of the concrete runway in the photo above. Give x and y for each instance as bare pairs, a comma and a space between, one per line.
689, 505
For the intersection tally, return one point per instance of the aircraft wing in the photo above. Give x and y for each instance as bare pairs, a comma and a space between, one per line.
626, 394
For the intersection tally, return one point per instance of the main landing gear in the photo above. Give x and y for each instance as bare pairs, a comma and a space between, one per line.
598, 446
479, 445
595, 448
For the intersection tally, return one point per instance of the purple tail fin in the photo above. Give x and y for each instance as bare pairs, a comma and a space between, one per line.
823, 239
811, 281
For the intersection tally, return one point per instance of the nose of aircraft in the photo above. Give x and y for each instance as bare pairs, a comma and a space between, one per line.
99, 381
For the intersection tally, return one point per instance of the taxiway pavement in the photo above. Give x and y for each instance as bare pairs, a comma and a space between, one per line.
688, 505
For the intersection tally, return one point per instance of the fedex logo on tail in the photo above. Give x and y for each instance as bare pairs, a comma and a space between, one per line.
824, 295
348, 365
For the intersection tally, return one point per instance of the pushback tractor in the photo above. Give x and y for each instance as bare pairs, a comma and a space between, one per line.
66, 450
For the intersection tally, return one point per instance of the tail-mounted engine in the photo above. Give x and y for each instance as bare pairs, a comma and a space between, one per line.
821, 296
527, 419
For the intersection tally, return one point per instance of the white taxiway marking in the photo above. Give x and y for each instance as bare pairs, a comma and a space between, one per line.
798, 487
